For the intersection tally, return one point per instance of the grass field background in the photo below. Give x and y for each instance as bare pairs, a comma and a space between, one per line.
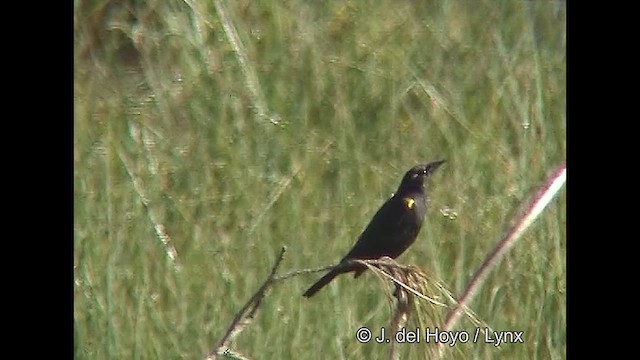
229, 129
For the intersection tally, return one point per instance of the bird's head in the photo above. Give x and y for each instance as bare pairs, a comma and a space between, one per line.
414, 178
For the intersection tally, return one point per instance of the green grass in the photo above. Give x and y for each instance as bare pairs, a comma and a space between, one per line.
167, 109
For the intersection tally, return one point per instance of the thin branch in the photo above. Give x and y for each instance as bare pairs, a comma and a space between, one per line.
301, 272
246, 314
533, 210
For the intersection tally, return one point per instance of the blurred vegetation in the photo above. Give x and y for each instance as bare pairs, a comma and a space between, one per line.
227, 129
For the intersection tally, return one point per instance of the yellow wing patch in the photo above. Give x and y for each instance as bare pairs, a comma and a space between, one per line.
409, 202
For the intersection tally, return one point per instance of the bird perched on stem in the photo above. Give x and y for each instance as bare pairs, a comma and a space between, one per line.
393, 228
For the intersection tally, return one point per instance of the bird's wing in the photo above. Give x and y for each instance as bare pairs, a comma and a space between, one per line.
381, 228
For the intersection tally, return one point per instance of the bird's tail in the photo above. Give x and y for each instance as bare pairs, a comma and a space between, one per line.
321, 283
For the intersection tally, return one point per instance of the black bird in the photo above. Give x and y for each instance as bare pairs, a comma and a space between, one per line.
393, 228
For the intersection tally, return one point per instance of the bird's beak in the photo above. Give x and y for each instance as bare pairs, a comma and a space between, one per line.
431, 167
